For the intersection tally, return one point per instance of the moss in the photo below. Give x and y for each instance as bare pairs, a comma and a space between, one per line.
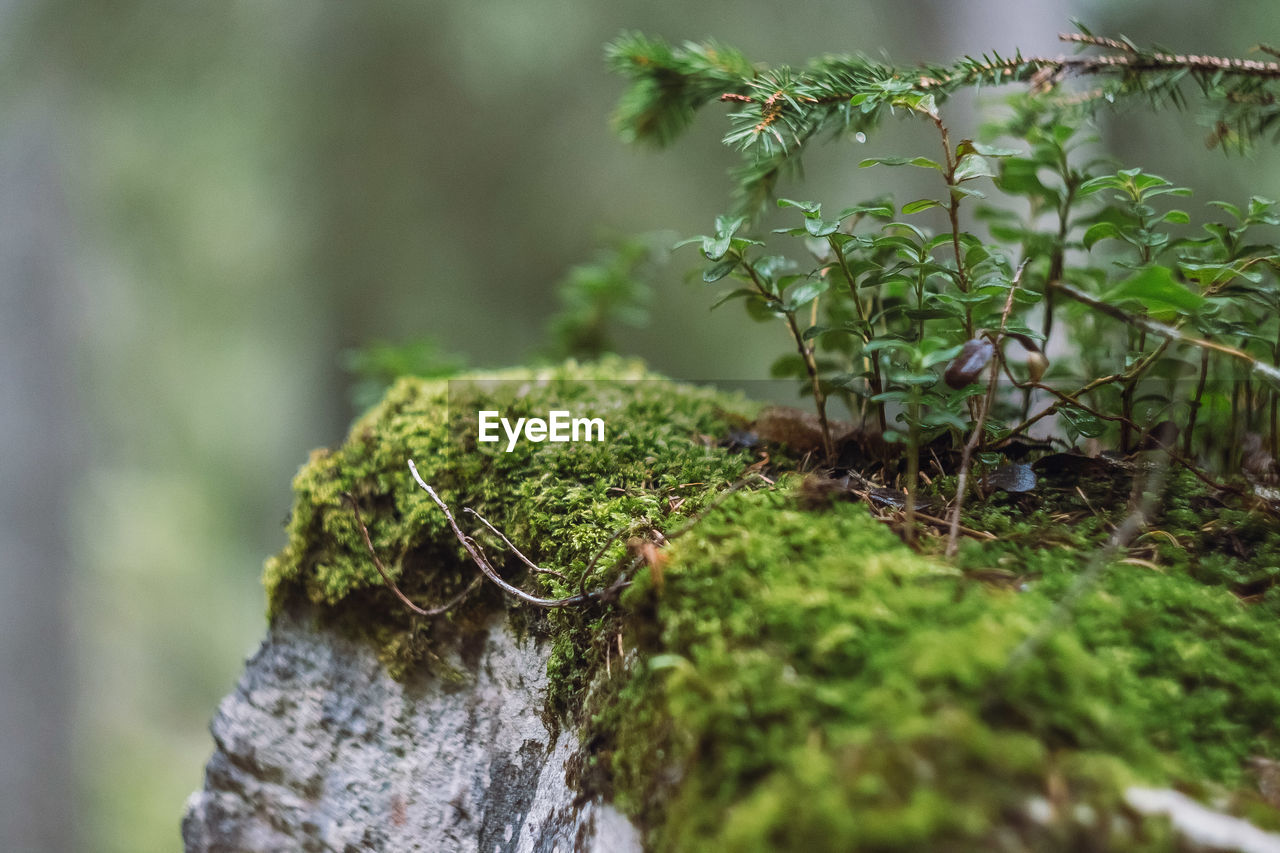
559, 502
798, 679
816, 686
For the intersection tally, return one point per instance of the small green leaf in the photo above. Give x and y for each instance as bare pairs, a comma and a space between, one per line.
741, 244
1178, 191
810, 208
919, 205
988, 150
1082, 422
803, 294
719, 270
917, 380
727, 225
942, 418
1260, 211
887, 344
1102, 182
890, 397
1206, 274
940, 355
1229, 208
818, 227
1020, 176
715, 247
922, 162
761, 310
773, 266
1156, 290
877, 210
918, 102
740, 293
907, 226
787, 366
943, 239
974, 166
990, 458
1101, 231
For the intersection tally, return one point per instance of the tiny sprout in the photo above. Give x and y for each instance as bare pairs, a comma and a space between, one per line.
965, 367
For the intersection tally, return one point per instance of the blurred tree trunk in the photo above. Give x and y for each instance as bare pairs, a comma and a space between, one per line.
37, 418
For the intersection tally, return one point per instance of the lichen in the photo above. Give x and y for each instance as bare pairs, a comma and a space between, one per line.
799, 679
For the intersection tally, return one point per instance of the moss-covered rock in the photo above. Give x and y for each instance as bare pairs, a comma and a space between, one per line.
818, 686
559, 502
794, 679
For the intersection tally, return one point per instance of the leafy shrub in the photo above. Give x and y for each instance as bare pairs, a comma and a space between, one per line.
1164, 329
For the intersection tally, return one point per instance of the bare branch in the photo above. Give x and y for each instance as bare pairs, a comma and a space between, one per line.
482, 562
530, 563
386, 578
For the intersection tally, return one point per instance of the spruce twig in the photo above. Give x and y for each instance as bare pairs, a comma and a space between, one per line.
779, 110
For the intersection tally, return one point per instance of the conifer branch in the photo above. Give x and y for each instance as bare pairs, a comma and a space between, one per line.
778, 111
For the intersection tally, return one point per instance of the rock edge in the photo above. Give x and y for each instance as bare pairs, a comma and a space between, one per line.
318, 749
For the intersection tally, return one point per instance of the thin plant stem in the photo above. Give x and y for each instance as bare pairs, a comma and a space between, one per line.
1193, 411
806, 356
953, 217
864, 328
386, 577
975, 438
913, 464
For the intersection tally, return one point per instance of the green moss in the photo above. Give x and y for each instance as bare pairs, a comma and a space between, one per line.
799, 679
811, 684
558, 502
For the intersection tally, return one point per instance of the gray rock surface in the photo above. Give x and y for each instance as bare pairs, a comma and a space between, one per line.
318, 749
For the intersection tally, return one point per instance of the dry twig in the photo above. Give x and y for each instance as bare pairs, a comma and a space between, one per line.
486, 568
386, 578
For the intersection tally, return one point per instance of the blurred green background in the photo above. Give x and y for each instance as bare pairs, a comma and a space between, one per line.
205, 205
